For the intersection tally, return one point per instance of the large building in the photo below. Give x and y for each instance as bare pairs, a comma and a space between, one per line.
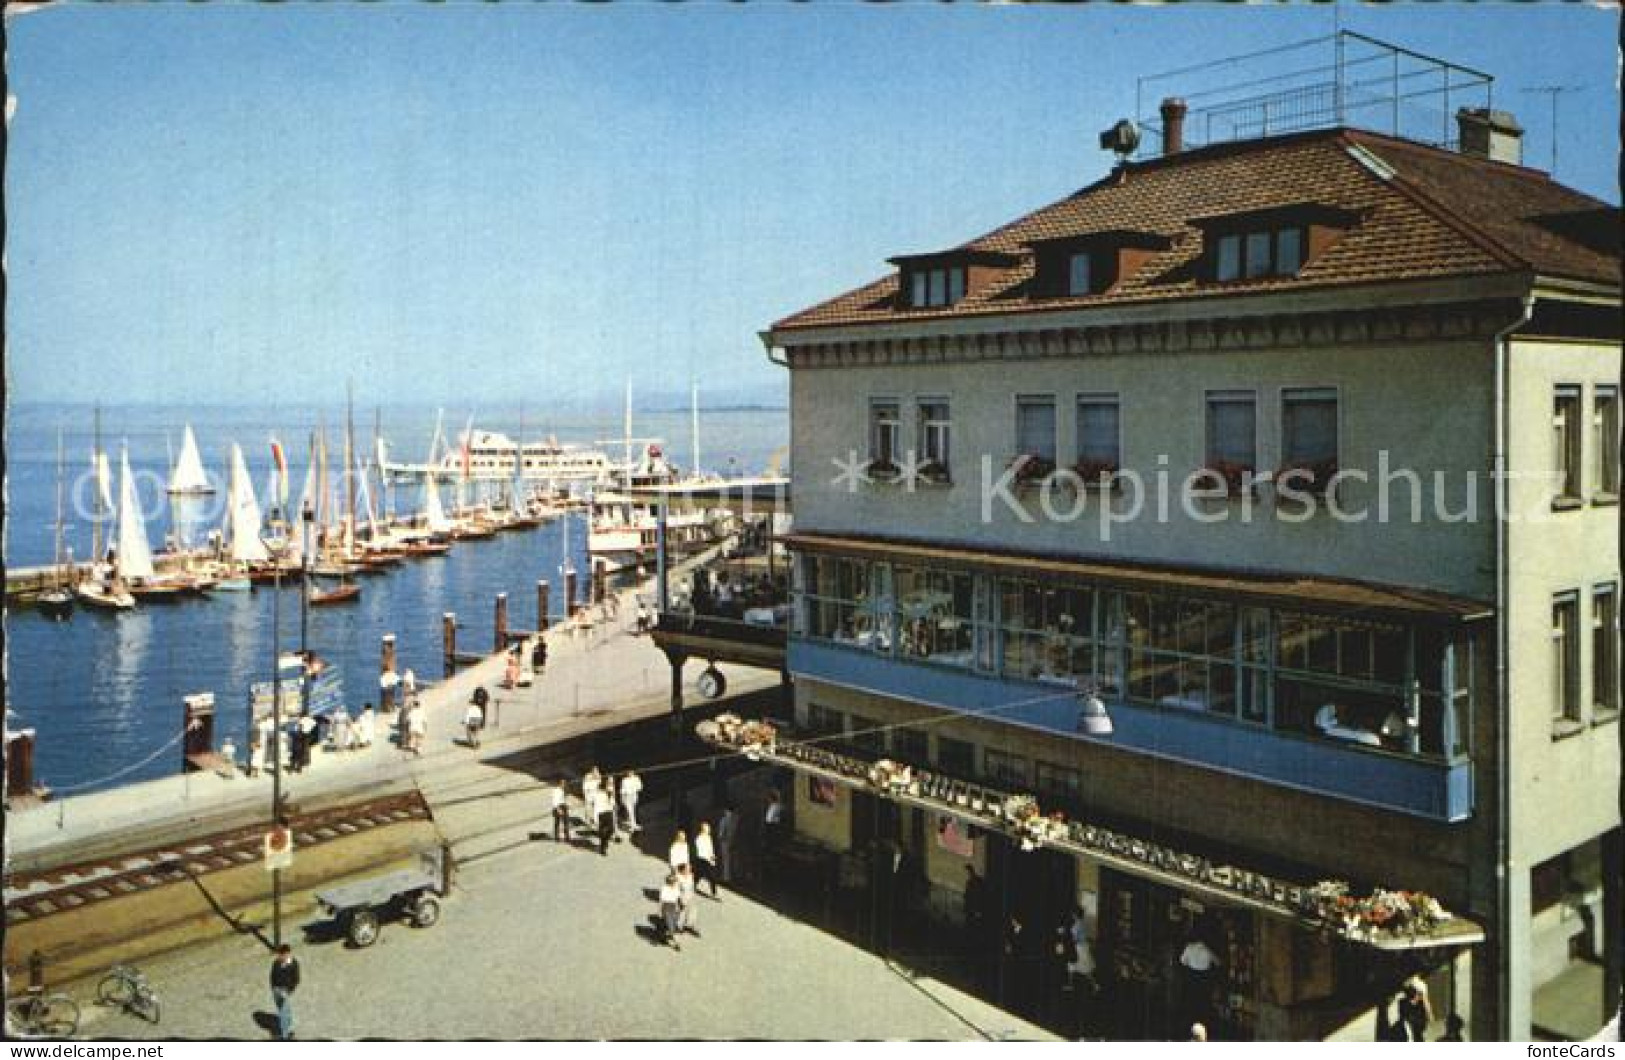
1300, 456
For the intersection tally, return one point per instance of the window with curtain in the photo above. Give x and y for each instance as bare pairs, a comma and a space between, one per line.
1566, 441
1605, 428
1565, 659
1035, 427
1232, 430
1309, 434
885, 432
935, 432
1604, 650
1099, 435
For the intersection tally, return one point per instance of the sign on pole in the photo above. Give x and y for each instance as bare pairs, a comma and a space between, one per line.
278, 848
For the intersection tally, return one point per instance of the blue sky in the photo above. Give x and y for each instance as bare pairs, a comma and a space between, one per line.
462, 203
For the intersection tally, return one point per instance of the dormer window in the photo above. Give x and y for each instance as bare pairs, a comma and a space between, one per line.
948, 277
1079, 273
929, 288
1259, 253
1091, 262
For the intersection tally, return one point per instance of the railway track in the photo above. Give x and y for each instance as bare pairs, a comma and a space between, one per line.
35, 895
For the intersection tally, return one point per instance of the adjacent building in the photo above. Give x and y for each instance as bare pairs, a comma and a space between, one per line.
1300, 456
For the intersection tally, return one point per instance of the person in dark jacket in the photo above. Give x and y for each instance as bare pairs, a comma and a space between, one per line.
284, 981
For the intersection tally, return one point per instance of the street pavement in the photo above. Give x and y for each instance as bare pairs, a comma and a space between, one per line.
553, 941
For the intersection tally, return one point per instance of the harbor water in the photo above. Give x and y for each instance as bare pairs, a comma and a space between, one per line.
104, 691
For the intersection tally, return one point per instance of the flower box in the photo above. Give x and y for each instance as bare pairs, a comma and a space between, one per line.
934, 472
1097, 474
1314, 478
1030, 469
1228, 475
883, 471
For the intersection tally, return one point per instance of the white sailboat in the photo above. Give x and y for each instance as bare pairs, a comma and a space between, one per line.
57, 601
188, 476
102, 588
133, 558
244, 546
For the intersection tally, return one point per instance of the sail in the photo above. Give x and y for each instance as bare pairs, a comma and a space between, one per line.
364, 505
244, 513
104, 481
434, 514
134, 554
188, 476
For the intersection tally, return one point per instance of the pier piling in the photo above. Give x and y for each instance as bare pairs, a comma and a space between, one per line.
500, 624
541, 605
600, 577
448, 641
569, 592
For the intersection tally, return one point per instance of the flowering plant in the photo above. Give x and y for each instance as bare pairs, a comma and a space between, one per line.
1314, 477
1095, 472
883, 469
1379, 913
1235, 476
889, 776
933, 471
1030, 468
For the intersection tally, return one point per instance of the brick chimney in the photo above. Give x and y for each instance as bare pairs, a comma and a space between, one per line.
1491, 134
1173, 126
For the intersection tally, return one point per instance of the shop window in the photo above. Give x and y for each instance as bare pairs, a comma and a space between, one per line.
1008, 770
956, 757
935, 616
1046, 631
912, 746
847, 601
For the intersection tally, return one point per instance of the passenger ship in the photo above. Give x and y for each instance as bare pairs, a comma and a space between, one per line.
490, 457
625, 530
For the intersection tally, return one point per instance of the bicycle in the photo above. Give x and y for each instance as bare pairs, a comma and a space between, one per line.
37, 1014
127, 987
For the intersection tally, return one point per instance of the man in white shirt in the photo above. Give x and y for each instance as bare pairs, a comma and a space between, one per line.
671, 910
631, 788
677, 856
688, 904
554, 804
727, 832
1199, 968
705, 860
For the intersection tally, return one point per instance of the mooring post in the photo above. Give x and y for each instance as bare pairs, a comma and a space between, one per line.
600, 580
569, 591
541, 605
388, 679
500, 624
448, 641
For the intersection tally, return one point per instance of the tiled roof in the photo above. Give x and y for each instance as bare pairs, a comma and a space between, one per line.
1442, 214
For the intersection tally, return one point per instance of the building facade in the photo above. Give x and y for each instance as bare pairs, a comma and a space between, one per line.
1301, 457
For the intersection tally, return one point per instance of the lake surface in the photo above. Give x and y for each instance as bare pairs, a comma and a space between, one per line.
104, 691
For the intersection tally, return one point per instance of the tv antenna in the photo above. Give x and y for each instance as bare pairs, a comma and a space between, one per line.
1553, 91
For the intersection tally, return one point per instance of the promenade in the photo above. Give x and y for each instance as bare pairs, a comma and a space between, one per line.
597, 675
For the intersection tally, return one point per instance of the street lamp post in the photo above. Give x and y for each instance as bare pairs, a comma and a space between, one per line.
277, 551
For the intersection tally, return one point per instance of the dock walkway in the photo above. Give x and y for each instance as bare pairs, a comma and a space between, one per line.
597, 675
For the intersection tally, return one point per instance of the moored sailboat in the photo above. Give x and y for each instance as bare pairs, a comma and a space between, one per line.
102, 587
188, 476
57, 601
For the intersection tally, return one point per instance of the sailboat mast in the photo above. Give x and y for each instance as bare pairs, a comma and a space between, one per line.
59, 463
519, 462
96, 470
349, 454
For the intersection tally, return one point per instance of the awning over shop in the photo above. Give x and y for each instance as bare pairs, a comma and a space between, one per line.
1384, 919
1262, 587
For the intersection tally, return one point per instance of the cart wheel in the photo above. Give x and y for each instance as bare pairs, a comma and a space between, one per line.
115, 990
711, 683
426, 911
362, 929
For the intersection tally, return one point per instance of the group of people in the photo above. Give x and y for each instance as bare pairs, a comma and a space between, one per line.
609, 806
692, 862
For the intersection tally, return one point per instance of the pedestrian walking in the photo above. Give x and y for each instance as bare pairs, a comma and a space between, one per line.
671, 910
727, 832
604, 813
409, 685
538, 655
631, 788
705, 860
366, 726
590, 783
417, 728
342, 731
473, 722
307, 739
677, 857
687, 902
284, 981
558, 803
773, 822
256, 753
296, 746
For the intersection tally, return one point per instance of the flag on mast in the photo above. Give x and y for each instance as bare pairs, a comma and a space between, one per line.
280, 459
